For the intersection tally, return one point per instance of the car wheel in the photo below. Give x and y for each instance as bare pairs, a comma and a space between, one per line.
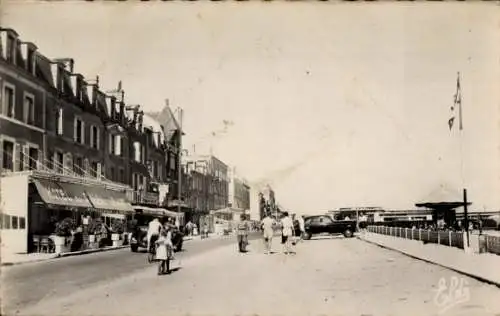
348, 233
133, 248
307, 236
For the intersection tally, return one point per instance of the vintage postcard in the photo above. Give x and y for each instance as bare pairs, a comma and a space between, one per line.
249, 158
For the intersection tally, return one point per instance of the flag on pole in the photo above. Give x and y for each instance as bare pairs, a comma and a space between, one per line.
457, 103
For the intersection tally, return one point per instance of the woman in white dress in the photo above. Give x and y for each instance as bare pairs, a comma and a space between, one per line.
164, 251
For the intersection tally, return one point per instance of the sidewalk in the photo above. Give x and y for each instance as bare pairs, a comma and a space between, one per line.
10, 259
15, 259
484, 267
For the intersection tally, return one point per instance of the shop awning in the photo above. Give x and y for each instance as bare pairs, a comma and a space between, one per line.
81, 195
107, 199
158, 211
60, 193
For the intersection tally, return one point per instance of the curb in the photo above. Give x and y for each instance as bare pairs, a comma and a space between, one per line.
471, 275
83, 252
63, 255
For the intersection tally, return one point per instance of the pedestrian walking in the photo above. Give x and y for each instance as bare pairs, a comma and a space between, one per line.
268, 232
286, 233
153, 230
164, 251
243, 228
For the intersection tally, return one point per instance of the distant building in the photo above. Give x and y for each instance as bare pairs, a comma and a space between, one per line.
239, 192
216, 172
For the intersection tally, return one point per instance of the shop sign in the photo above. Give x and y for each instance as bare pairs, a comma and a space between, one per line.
61, 195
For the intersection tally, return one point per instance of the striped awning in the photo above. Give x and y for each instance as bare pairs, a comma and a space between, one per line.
81, 195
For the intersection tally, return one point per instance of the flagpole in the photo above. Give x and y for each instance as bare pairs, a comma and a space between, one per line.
462, 172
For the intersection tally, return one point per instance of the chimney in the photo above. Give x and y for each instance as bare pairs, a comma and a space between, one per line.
113, 108
140, 120
136, 110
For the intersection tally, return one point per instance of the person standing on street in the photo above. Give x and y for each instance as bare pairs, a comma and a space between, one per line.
268, 232
302, 227
242, 233
286, 233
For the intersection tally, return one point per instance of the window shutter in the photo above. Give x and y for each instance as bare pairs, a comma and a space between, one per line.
60, 122
26, 157
122, 146
75, 126
18, 159
118, 145
68, 164
83, 133
98, 138
137, 151
40, 161
143, 154
110, 139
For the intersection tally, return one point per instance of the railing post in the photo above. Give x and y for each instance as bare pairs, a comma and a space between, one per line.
420, 234
439, 238
428, 235
406, 233
449, 236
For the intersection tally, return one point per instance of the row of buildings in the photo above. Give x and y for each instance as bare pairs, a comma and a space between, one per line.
69, 148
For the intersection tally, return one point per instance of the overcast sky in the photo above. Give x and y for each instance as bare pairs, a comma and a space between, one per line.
334, 104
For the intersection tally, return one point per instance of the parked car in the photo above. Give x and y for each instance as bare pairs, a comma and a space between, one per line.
324, 224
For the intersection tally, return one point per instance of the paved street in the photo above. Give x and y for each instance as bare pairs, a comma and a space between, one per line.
331, 276
26, 284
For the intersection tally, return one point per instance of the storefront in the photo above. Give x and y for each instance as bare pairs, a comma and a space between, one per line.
36, 203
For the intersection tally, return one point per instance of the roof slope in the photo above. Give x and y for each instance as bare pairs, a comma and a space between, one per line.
167, 119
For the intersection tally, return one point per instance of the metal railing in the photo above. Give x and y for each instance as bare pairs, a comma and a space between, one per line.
446, 238
492, 244
487, 243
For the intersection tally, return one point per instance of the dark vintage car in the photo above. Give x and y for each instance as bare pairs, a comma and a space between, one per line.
324, 224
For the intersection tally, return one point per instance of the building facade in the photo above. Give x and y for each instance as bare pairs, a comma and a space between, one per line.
216, 176
76, 149
23, 98
239, 192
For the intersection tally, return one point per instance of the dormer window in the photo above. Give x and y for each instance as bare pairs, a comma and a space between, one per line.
10, 49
